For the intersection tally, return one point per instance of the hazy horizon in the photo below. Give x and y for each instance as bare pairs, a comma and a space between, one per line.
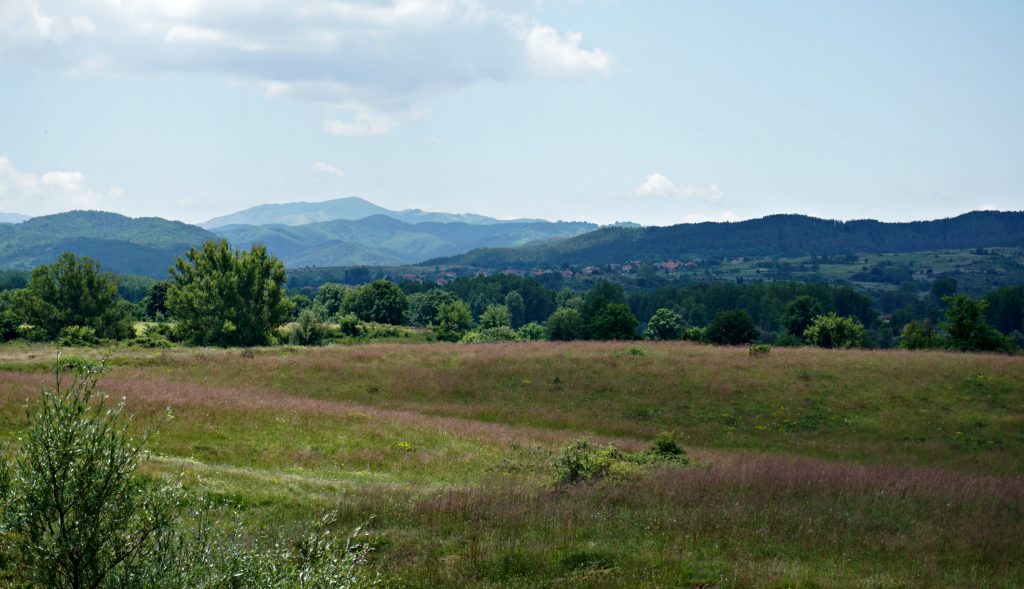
202, 222
658, 113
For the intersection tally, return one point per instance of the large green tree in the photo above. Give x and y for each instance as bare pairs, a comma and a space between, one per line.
226, 297
452, 321
74, 292
564, 325
732, 328
381, 301
799, 314
424, 306
614, 322
967, 328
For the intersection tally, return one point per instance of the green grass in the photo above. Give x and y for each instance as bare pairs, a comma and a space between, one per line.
810, 468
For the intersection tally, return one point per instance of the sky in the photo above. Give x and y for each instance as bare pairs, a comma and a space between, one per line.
652, 111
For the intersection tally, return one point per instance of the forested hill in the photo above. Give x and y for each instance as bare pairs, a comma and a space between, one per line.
145, 246
776, 235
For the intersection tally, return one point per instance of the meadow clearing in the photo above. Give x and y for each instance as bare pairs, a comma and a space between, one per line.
809, 467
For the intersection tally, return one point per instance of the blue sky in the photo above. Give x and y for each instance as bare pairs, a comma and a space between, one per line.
656, 111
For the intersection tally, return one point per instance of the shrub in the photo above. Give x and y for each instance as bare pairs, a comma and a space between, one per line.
78, 336
151, 338
75, 513
490, 335
308, 330
665, 445
758, 350
919, 335
584, 461
833, 331
665, 324
348, 324
76, 509
531, 332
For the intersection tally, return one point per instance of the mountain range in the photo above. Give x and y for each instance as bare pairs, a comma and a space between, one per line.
351, 208
386, 241
775, 235
149, 246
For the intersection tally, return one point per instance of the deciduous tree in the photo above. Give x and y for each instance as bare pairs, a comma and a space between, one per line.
228, 298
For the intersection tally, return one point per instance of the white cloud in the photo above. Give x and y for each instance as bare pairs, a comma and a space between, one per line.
659, 185
362, 124
555, 53
64, 181
387, 56
39, 194
325, 168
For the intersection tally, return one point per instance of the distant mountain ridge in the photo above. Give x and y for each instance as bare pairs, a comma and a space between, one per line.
775, 235
382, 240
145, 245
13, 217
351, 209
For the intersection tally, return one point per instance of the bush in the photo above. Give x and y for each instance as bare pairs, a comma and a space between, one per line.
308, 331
490, 335
758, 350
348, 324
151, 338
584, 461
531, 332
75, 513
833, 331
919, 335
665, 445
665, 324
78, 336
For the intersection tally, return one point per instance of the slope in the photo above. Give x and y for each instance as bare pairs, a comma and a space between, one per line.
146, 246
776, 235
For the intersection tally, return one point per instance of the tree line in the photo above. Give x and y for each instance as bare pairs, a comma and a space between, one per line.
219, 296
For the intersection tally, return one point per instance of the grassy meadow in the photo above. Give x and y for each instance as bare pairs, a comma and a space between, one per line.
809, 468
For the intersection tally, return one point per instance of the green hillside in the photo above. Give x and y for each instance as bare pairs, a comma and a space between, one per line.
776, 235
146, 246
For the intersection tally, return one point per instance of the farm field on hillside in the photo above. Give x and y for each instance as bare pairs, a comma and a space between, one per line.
808, 467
